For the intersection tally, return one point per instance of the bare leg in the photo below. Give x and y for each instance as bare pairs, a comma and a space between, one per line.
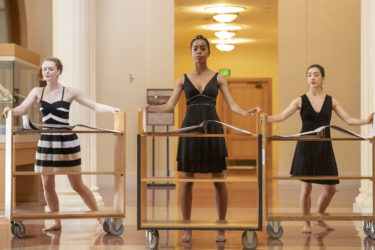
186, 197
323, 202
51, 199
305, 201
221, 204
85, 193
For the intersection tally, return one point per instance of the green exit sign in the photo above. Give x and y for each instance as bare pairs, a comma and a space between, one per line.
225, 72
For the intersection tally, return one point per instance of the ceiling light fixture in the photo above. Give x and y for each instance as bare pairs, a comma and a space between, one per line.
236, 40
224, 34
225, 47
225, 18
224, 9
222, 26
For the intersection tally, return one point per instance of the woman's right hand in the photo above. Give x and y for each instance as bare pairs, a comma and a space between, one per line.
5, 112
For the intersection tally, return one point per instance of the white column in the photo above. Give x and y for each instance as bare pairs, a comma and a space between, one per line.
73, 41
363, 202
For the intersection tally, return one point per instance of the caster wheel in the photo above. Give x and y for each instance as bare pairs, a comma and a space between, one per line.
274, 229
18, 229
152, 239
113, 226
249, 240
367, 227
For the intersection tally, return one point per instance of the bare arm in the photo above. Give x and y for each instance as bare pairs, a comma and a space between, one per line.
346, 118
22, 108
97, 107
229, 100
169, 106
290, 110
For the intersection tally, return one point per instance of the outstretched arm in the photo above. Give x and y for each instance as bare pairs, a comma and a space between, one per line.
21, 109
97, 107
290, 110
346, 118
169, 106
229, 100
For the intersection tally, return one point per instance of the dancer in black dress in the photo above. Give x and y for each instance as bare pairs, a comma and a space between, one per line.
201, 155
316, 158
58, 152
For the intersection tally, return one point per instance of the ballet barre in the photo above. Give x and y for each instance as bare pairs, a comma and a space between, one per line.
249, 224
16, 212
274, 228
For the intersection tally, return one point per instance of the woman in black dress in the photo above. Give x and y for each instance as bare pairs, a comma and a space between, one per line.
201, 155
316, 158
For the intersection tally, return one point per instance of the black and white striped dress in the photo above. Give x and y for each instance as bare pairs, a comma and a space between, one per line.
57, 152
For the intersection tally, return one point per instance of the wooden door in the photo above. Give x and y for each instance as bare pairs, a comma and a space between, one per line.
247, 93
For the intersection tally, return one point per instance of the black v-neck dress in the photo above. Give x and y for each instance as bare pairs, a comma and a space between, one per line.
201, 155
315, 158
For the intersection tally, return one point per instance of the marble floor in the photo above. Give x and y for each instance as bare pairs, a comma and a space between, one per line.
87, 234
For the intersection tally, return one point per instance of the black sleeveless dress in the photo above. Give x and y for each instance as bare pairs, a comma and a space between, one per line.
201, 155
57, 152
315, 157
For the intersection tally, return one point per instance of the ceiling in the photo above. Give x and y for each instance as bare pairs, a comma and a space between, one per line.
259, 20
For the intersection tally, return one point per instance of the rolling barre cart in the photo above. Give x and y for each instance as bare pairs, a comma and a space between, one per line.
274, 228
249, 237
17, 212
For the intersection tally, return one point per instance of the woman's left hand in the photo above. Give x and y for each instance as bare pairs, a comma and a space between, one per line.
370, 118
252, 111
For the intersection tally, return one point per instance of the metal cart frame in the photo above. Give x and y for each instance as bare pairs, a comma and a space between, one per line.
114, 218
274, 228
249, 237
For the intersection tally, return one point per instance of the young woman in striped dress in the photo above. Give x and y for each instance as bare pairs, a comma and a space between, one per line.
58, 152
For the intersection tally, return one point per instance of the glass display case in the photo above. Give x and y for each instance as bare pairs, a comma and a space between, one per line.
17, 77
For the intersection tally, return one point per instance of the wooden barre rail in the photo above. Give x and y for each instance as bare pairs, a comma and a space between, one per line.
316, 216
248, 136
311, 138
321, 178
200, 224
209, 180
23, 173
23, 132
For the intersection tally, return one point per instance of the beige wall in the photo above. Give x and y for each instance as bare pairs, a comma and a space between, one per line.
131, 36
39, 26
328, 33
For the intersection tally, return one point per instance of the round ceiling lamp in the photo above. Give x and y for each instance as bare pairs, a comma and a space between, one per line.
222, 26
225, 18
225, 47
224, 34
235, 41
224, 9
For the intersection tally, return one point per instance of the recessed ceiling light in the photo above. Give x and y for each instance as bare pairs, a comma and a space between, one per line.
224, 9
224, 34
225, 18
225, 47
222, 26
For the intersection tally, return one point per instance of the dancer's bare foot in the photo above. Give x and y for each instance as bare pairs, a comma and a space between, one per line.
56, 226
187, 236
220, 236
324, 225
306, 228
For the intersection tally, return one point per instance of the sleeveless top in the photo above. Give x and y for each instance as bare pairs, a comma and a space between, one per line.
315, 157
57, 152
201, 155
